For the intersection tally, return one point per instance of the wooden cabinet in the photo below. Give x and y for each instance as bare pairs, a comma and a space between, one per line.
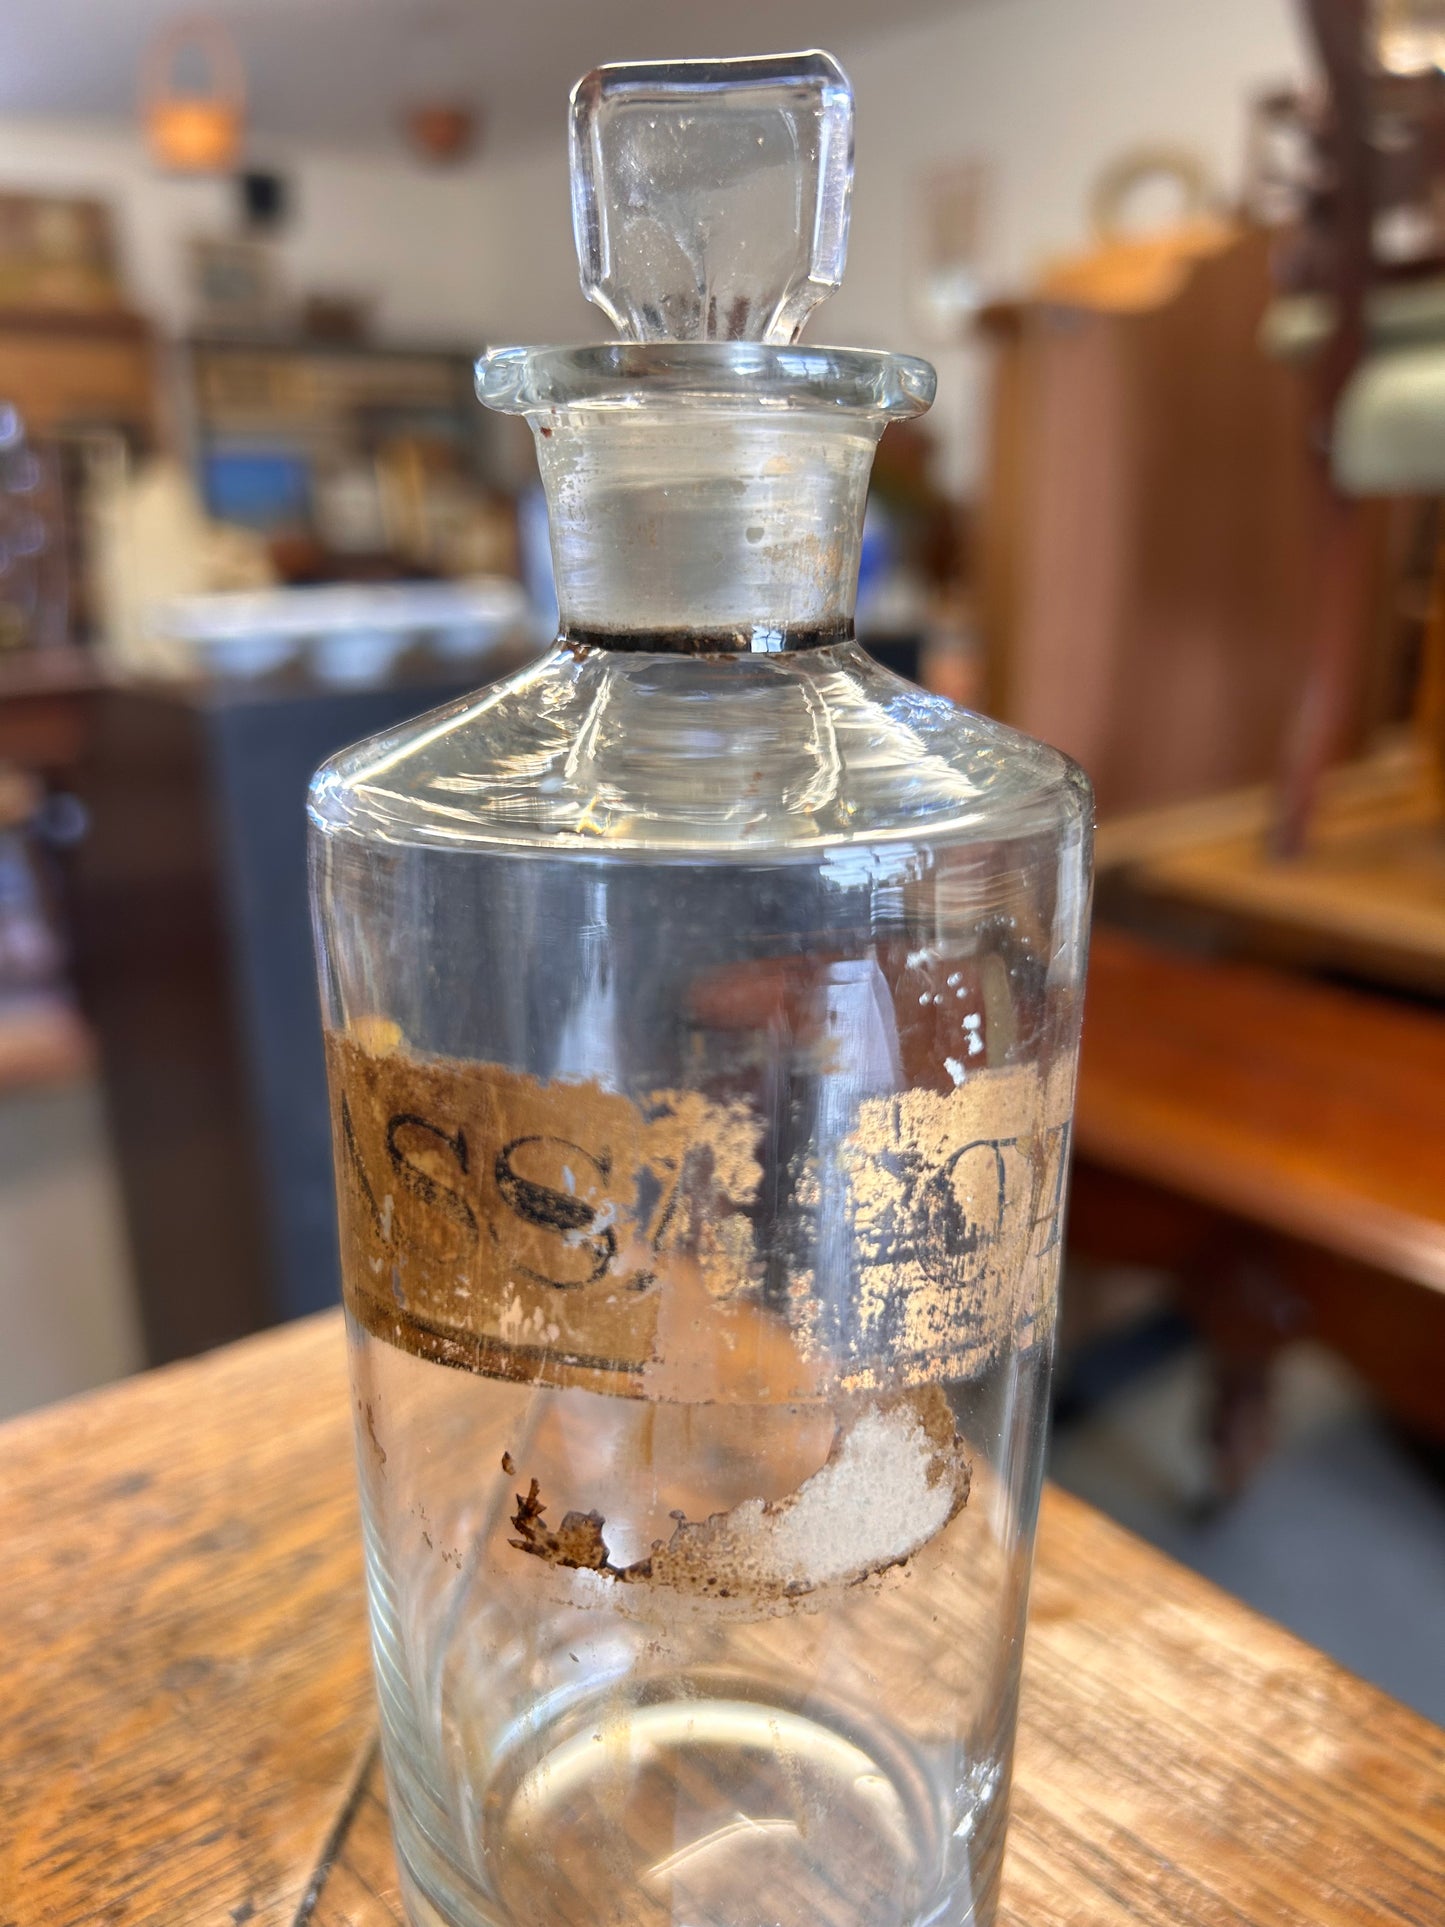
67, 371
193, 952
1147, 538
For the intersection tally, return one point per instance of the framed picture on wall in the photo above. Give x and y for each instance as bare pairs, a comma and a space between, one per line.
57, 252
235, 287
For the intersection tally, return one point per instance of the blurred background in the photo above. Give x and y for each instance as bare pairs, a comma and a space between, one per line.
1182, 271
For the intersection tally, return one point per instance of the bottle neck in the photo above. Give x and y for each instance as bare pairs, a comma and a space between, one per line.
703, 530
759, 639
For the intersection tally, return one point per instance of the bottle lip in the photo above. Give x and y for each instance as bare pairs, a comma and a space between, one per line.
726, 374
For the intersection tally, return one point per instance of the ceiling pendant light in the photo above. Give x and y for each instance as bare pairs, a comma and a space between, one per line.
440, 123
194, 130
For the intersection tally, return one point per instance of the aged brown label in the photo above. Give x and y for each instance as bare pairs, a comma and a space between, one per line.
564, 1233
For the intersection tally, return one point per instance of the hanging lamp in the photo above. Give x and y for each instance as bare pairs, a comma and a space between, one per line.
190, 131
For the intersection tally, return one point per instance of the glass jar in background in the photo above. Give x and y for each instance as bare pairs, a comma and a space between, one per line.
702, 1008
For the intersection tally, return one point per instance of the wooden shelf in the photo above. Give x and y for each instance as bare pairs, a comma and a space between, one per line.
109, 324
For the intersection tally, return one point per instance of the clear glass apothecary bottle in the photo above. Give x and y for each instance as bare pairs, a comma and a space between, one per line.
702, 1007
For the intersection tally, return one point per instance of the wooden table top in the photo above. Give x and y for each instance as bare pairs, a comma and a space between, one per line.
189, 1734
1306, 1109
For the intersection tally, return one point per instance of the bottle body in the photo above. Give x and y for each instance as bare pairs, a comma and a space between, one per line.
702, 1035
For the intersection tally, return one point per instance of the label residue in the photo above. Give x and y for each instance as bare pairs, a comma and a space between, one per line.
563, 1233
896, 1475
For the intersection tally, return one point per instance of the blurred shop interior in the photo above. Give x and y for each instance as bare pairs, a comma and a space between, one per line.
1177, 511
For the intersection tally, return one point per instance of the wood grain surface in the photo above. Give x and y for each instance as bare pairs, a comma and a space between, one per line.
1302, 1108
188, 1728
184, 1685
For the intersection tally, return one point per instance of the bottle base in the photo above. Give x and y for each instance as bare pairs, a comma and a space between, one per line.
692, 1803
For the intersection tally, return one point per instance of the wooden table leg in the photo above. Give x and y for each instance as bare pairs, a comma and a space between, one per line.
1238, 1297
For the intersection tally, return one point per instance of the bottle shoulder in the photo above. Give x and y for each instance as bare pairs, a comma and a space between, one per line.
599, 750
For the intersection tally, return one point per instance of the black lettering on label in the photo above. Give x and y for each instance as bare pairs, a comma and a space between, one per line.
1051, 1219
964, 1238
550, 1209
358, 1171
668, 1193
418, 1180
961, 1242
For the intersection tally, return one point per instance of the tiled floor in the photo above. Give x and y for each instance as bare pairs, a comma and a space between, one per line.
1341, 1536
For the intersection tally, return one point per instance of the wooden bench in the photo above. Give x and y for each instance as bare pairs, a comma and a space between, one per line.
1279, 1145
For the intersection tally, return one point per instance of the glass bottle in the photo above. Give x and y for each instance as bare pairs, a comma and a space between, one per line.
702, 1007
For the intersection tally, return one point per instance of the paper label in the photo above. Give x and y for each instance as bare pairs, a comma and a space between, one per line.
565, 1233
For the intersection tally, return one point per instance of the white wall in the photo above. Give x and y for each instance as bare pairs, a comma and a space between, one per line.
460, 255
1044, 91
